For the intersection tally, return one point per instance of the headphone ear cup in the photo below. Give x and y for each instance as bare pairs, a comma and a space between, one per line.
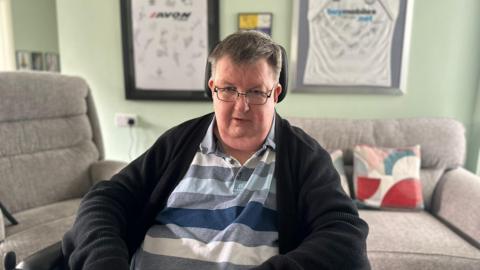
208, 74
283, 80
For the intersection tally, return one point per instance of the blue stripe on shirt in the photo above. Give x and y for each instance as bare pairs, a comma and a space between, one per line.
253, 215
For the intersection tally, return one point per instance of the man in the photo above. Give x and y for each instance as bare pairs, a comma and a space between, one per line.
236, 189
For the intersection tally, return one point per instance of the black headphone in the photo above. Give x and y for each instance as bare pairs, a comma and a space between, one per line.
283, 80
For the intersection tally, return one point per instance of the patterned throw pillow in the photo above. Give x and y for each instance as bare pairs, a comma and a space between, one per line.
337, 159
388, 177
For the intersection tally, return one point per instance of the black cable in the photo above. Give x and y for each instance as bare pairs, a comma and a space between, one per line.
131, 123
131, 143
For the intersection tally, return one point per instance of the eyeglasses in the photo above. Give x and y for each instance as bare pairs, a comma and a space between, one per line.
252, 97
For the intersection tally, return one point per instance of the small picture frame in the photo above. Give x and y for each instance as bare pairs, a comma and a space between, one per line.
37, 61
261, 21
24, 60
52, 62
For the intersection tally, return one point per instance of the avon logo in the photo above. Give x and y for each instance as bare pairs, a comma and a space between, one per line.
179, 16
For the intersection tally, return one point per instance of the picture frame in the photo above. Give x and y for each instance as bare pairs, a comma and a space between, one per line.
52, 62
37, 61
165, 47
260, 21
356, 46
24, 60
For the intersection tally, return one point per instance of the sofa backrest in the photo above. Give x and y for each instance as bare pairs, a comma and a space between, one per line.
49, 136
442, 141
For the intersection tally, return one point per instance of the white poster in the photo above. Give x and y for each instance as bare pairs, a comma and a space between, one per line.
350, 42
170, 43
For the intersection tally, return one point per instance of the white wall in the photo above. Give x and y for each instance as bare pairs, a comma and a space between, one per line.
7, 57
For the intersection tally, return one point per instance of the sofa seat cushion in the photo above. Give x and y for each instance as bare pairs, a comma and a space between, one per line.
39, 227
415, 240
41, 215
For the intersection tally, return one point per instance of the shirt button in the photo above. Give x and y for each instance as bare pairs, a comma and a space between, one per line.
232, 161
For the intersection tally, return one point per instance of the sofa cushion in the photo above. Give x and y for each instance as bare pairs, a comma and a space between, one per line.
44, 177
48, 141
41, 215
429, 179
442, 139
415, 240
39, 228
39, 95
388, 177
36, 238
337, 159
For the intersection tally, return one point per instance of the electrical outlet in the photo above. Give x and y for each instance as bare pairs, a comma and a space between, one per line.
125, 120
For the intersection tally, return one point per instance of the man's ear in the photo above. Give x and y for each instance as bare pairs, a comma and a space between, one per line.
210, 84
278, 90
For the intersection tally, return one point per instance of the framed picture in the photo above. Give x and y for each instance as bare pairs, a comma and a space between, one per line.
256, 21
37, 61
350, 46
52, 62
24, 60
165, 47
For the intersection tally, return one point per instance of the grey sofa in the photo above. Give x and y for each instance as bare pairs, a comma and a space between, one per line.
446, 235
51, 152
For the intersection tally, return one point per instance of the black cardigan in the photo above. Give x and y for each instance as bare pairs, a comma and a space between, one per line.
319, 226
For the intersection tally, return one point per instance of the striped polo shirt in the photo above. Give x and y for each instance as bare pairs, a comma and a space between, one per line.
222, 215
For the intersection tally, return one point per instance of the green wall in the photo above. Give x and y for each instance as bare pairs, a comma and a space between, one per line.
443, 77
35, 25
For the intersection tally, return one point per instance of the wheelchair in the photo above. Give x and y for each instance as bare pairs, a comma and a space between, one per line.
49, 258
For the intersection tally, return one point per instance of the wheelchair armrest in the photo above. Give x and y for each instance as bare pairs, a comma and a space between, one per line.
48, 258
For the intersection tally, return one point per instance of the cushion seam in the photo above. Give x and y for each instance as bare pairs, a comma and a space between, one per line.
44, 118
37, 225
52, 149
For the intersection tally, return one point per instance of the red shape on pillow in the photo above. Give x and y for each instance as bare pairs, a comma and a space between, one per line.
366, 187
406, 193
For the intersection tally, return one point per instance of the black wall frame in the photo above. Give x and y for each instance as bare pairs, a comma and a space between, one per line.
133, 89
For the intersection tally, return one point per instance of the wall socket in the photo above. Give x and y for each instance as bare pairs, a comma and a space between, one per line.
125, 120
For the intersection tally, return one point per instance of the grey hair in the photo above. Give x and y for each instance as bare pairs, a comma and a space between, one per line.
246, 47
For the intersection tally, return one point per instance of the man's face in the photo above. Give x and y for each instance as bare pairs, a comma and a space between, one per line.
239, 124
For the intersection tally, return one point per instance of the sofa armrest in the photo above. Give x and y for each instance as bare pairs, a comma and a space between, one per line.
455, 202
105, 169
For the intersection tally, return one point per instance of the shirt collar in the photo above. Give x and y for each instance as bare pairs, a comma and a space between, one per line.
270, 141
209, 142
